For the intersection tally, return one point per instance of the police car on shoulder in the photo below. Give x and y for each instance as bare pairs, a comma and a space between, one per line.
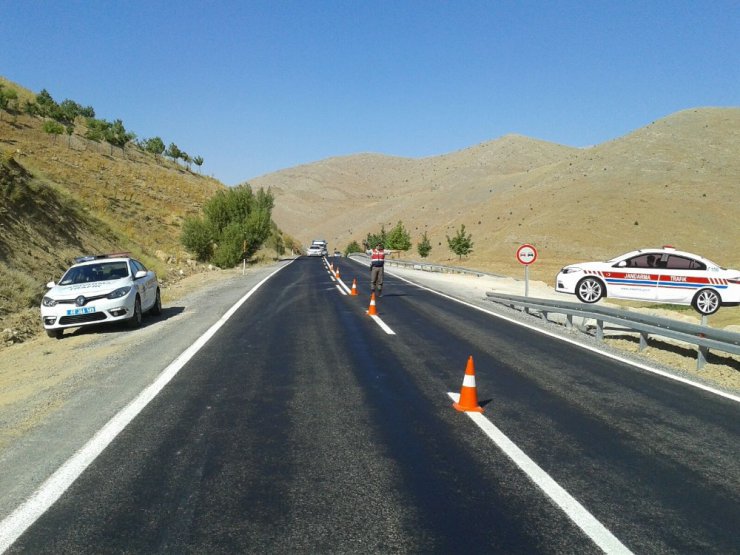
663, 275
99, 289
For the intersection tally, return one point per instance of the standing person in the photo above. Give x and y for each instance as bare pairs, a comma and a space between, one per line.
377, 260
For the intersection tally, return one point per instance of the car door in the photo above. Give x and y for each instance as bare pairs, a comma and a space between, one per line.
635, 278
144, 285
680, 278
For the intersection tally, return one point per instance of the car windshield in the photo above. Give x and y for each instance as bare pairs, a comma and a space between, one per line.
104, 271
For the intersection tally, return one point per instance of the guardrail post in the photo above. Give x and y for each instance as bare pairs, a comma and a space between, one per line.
643, 340
543, 315
600, 330
569, 321
701, 357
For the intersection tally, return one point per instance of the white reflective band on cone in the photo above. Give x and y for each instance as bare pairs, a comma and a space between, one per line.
469, 381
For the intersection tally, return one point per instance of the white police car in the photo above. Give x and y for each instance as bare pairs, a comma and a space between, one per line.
662, 275
316, 250
99, 289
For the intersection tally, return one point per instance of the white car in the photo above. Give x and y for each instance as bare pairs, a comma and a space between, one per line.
316, 250
100, 289
663, 275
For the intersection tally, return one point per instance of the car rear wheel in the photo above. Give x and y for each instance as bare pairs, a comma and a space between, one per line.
135, 320
156, 309
706, 301
589, 290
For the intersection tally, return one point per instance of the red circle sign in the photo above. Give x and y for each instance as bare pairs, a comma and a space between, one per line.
526, 254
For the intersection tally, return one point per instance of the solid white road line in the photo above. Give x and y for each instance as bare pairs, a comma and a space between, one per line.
598, 533
613, 356
342, 291
52, 489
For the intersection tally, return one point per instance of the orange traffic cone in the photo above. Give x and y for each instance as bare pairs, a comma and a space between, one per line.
337, 272
354, 287
372, 311
468, 393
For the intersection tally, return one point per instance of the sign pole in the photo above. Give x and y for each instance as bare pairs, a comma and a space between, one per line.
526, 255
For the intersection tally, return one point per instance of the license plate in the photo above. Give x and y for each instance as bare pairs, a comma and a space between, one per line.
76, 311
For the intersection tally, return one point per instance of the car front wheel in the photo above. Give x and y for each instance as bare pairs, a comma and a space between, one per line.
55, 334
706, 301
589, 290
135, 320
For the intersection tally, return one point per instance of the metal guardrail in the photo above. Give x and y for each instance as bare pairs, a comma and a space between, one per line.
427, 267
704, 337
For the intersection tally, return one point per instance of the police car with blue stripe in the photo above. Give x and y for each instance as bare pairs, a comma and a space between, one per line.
663, 275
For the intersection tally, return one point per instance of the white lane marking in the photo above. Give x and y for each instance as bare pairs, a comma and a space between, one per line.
383, 325
344, 286
52, 489
342, 291
613, 356
598, 533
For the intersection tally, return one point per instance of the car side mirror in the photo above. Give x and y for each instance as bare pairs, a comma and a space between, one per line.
50, 285
140, 274
622, 264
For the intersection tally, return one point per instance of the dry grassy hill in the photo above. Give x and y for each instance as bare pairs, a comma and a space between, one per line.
675, 181
63, 197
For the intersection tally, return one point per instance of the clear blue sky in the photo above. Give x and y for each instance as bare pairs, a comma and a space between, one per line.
257, 86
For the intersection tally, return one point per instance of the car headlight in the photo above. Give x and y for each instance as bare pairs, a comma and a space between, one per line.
570, 270
120, 292
48, 301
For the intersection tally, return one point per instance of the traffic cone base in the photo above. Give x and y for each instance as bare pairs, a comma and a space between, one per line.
372, 311
468, 401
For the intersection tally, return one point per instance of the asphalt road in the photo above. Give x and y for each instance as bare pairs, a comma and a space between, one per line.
302, 426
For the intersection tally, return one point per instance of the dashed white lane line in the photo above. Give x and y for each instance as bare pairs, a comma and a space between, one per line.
54, 487
383, 325
598, 533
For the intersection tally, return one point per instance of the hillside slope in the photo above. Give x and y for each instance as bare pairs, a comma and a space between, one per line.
66, 196
675, 181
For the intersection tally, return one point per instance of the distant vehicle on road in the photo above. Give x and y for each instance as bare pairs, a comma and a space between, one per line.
99, 289
316, 250
663, 275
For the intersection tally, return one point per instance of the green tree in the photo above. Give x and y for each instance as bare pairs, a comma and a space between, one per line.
46, 104
352, 247
198, 161
70, 129
96, 129
53, 128
373, 239
461, 244
116, 135
155, 146
230, 219
424, 247
173, 151
197, 238
398, 238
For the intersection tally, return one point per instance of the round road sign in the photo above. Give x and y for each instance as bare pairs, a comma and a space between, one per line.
526, 254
